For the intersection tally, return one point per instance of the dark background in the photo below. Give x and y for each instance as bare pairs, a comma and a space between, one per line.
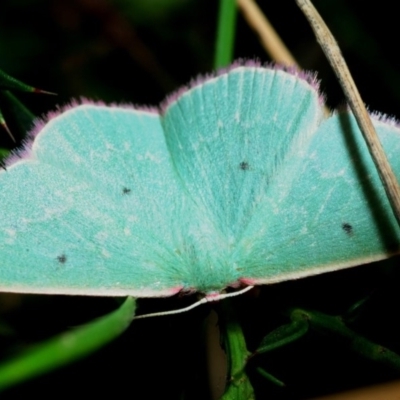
138, 51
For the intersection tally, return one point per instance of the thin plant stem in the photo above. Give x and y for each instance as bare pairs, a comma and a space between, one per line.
338, 64
225, 33
268, 36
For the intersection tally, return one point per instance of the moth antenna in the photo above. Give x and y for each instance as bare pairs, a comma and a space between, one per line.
198, 303
338, 64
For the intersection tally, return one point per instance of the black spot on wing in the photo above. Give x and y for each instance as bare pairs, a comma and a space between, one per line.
126, 190
348, 228
244, 166
62, 259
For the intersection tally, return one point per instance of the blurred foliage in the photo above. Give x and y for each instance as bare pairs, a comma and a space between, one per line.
138, 51
67, 347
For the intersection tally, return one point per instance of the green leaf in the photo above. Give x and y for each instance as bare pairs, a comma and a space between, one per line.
270, 377
239, 386
22, 119
283, 335
11, 83
337, 330
3, 153
67, 347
